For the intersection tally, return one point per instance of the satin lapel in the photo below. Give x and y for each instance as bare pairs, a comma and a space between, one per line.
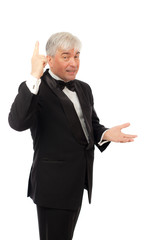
68, 108
86, 108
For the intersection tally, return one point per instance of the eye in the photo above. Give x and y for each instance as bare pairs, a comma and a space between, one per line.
65, 57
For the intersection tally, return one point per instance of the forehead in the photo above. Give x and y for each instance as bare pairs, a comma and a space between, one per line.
62, 51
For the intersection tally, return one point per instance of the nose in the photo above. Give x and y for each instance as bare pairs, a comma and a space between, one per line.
72, 62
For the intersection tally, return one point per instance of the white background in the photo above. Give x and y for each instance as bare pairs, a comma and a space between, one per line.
119, 61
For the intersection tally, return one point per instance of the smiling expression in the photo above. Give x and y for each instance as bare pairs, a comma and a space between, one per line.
65, 64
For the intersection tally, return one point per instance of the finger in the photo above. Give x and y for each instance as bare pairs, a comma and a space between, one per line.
45, 63
43, 56
125, 140
125, 125
129, 136
44, 60
36, 49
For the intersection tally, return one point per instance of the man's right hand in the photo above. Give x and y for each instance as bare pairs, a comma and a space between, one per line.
38, 62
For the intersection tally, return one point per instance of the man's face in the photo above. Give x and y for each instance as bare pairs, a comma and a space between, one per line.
65, 64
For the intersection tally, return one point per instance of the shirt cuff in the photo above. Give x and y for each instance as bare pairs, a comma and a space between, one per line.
33, 84
101, 140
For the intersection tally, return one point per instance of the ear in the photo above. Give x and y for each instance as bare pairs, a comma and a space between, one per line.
50, 61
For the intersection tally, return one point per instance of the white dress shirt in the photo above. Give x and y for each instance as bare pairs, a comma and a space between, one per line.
33, 84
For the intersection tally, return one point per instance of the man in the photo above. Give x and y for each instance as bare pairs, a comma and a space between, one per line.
59, 111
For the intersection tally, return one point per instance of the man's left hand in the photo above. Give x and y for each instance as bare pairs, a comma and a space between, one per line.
114, 134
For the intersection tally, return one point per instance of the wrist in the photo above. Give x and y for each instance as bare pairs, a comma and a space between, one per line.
35, 75
105, 136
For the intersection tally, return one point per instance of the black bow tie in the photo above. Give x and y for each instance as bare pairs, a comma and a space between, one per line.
70, 85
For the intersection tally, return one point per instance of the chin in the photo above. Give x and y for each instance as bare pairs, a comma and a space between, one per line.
70, 78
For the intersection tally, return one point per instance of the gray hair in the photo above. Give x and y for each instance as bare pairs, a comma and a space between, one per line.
62, 40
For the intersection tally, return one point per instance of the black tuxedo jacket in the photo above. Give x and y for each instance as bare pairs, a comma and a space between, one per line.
63, 159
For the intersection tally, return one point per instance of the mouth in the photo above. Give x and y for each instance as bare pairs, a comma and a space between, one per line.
72, 71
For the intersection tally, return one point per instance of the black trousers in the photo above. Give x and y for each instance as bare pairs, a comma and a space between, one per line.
56, 224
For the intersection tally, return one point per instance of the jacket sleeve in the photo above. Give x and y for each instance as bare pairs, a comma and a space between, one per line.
23, 112
98, 130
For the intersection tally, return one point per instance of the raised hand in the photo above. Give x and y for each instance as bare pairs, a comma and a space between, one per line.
38, 62
114, 134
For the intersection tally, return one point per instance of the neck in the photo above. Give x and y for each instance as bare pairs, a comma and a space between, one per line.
54, 76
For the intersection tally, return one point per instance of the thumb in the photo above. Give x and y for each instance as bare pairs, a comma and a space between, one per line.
125, 125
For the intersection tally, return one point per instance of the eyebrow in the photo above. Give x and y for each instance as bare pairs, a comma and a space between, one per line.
69, 53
